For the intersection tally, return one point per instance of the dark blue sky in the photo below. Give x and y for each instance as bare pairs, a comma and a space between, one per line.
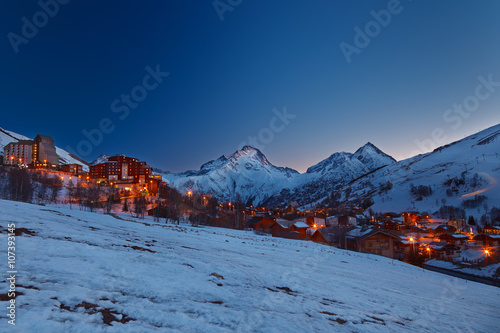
226, 77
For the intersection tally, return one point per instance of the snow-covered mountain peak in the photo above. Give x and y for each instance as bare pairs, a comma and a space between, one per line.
251, 153
103, 158
335, 160
371, 156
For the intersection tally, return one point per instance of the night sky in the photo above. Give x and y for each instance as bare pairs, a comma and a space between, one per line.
273, 70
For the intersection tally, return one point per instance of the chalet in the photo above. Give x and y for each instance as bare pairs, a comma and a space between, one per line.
443, 251
290, 209
483, 239
455, 238
250, 224
341, 220
457, 223
331, 235
491, 230
319, 237
278, 229
281, 230
264, 225
389, 224
441, 229
361, 219
378, 242
301, 228
391, 215
315, 221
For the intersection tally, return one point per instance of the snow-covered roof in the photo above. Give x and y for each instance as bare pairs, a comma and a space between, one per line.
494, 236
457, 236
358, 232
300, 225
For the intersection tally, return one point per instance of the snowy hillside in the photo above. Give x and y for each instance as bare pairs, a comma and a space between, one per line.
64, 156
464, 174
87, 272
103, 158
246, 172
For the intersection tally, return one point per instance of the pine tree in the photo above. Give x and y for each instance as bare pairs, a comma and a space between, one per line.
125, 206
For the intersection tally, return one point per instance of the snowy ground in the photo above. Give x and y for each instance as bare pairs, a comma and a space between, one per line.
488, 271
87, 272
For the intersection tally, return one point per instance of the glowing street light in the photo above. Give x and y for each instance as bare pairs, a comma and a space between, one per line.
412, 247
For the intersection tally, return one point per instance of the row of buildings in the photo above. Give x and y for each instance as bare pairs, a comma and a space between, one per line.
119, 171
390, 237
40, 152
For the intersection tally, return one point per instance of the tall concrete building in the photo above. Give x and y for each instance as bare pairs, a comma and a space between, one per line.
45, 151
20, 152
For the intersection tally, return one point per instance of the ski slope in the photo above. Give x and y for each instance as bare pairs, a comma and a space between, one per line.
88, 272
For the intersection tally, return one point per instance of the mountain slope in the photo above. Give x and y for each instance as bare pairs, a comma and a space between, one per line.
455, 173
247, 172
87, 272
332, 173
64, 157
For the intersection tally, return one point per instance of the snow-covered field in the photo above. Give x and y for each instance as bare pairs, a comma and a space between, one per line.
488, 271
87, 272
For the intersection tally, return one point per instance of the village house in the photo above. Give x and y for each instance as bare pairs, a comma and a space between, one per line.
441, 229
279, 229
331, 235
313, 221
491, 230
489, 240
341, 220
455, 239
443, 251
459, 224
264, 225
378, 242
301, 228
372, 240
250, 223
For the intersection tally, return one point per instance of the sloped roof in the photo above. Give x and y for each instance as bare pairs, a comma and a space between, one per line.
456, 235
300, 225
44, 138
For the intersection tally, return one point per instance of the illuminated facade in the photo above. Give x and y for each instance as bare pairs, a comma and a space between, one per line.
18, 153
122, 170
33, 153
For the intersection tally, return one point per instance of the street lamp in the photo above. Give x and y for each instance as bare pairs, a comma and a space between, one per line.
412, 248
429, 251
